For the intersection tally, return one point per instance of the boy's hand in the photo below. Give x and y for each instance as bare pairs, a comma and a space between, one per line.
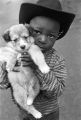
26, 60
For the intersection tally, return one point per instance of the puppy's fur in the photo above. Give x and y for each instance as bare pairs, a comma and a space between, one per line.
24, 84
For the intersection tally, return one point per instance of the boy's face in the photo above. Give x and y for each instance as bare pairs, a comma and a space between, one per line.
45, 32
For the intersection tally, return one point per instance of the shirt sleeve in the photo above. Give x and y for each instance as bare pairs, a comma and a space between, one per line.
4, 83
53, 83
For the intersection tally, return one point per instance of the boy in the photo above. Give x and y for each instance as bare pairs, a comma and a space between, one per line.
48, 24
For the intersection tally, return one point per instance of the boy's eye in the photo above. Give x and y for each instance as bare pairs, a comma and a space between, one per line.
51, 36
37, 32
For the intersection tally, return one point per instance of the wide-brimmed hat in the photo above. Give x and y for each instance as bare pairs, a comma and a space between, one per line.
48, 8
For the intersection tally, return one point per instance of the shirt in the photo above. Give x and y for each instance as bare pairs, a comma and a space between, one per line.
52, 84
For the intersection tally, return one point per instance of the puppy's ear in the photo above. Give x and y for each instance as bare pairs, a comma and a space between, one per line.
30, 29
6, 36
26, 25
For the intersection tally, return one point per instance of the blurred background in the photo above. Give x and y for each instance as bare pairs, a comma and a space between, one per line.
69, 46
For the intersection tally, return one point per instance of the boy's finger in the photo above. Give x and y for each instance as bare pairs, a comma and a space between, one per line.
26, 60
25, 54
16, 69
26, 63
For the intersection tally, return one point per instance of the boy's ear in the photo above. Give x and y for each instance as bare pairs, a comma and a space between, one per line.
6, 36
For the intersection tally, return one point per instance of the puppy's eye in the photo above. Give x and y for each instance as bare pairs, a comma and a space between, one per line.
25, 37
15, 40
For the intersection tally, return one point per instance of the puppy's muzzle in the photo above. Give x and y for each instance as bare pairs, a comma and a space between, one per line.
23, 47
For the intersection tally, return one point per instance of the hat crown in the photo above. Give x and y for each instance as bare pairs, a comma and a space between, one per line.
52, 4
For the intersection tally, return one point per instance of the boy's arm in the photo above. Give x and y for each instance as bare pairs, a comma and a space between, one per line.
53, 83
4, 84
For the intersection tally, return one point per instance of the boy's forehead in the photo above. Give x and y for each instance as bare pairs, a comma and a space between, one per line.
45, 23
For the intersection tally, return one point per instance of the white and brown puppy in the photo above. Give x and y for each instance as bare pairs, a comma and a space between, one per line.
24, 84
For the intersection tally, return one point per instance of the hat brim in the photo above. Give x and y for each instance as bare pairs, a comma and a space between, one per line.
29, 11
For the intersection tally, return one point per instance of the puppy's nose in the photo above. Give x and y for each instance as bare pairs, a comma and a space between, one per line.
22, 47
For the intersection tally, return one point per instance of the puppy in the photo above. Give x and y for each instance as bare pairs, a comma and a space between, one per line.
25, 85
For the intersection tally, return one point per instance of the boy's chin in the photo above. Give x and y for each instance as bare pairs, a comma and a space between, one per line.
45, 49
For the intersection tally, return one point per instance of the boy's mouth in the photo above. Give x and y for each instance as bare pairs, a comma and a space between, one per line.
41, 43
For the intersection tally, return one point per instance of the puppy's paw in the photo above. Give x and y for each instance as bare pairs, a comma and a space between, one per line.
45, 69
37, 115
9, 67
29, 101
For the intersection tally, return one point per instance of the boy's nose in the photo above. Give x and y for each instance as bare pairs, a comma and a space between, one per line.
22, 47
42, 38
